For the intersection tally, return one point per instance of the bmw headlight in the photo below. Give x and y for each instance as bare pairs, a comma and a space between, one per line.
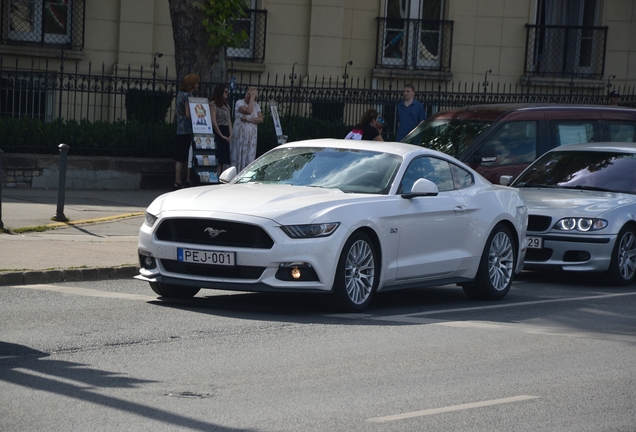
580, 224
310, 230
150, 219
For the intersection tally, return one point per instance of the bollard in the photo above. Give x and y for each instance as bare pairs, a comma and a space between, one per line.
61, 187
1, 224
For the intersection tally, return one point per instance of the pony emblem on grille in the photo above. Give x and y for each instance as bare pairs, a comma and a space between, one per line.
213, 232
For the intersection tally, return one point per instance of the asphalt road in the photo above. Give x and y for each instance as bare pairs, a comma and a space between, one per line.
558, 354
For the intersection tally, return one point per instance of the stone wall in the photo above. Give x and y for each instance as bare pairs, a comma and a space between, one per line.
85, 172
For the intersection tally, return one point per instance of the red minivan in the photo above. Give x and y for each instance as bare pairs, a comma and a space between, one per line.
503, 139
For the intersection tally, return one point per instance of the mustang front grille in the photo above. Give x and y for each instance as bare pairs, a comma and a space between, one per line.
213, 232
238, 272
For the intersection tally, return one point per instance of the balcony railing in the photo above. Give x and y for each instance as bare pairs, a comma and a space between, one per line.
414, 44
565, 51
253, 49
43, 24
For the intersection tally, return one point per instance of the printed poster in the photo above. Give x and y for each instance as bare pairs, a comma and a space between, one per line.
200, 115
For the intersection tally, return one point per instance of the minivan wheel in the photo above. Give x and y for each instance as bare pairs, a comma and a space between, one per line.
622, 269
356, 280
173, 291
496, 268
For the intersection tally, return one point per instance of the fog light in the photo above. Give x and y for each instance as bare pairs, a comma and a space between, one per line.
146, 261
295, 273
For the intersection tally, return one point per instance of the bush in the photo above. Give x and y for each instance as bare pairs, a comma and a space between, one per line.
138, 139
147, 106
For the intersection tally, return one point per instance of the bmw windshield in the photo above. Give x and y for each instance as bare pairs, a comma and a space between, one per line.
448, 136
589, 170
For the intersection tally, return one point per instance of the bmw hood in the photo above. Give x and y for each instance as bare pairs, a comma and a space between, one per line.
572, 202
273, 202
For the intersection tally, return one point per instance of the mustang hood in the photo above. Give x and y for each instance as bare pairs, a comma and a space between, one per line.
268, 201
575, 202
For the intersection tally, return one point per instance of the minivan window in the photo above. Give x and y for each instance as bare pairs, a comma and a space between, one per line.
513, 143
621, 131
448, 136
573, 132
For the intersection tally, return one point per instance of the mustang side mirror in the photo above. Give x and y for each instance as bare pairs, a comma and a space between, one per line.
422, 187
227, 175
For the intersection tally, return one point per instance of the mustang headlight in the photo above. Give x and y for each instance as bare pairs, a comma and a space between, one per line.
311, 230
150, 219
580, 224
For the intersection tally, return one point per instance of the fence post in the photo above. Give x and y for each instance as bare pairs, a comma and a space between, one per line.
1, 223
61, 187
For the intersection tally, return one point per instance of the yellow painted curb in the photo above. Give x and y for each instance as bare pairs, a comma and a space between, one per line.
95, 220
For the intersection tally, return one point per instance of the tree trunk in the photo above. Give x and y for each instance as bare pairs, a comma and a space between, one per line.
191, 51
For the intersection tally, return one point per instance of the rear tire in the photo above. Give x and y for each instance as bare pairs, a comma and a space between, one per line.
622, 269
356, 281
173, 291
496, 268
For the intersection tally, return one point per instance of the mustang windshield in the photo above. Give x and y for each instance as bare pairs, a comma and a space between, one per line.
448, 136
355, 171
604, 171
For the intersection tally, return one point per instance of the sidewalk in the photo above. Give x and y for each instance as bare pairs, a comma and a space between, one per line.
98, 242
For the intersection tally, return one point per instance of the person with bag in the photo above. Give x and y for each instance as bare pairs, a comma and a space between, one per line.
367, 128
183, 142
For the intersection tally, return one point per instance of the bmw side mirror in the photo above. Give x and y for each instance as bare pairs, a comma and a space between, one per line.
227, 175
505, 180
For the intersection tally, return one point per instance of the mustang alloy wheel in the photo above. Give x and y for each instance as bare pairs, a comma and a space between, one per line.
356, 280
622, 270
496, 268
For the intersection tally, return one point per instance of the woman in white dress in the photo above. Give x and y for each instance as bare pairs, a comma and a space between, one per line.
247, 117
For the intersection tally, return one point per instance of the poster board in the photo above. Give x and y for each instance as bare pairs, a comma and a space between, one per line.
282, 139
204, 163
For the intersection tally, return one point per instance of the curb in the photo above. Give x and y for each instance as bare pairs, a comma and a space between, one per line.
33, 277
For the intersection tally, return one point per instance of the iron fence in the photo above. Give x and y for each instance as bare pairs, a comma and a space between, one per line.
141, 104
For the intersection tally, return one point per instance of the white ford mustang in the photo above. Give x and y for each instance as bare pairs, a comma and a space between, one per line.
343, 217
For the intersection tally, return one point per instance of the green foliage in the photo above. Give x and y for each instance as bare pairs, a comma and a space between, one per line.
136, 139
219, 22
147, 106
297, 128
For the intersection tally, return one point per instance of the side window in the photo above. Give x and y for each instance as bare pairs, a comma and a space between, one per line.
621, 131
436, 170
573, 132
513, 143
461, 178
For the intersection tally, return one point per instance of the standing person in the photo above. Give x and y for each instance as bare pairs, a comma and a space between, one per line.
247, 117
222, 125
613, 98
183, 143
410, 112
367, 129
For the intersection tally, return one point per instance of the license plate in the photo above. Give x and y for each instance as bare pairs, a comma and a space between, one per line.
206, 257
534, 242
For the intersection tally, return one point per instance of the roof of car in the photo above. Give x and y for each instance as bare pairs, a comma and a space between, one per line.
494, 111
599, 146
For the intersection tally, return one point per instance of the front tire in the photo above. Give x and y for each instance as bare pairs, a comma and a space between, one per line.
496, 268
356, 280
622, 269
173, 291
